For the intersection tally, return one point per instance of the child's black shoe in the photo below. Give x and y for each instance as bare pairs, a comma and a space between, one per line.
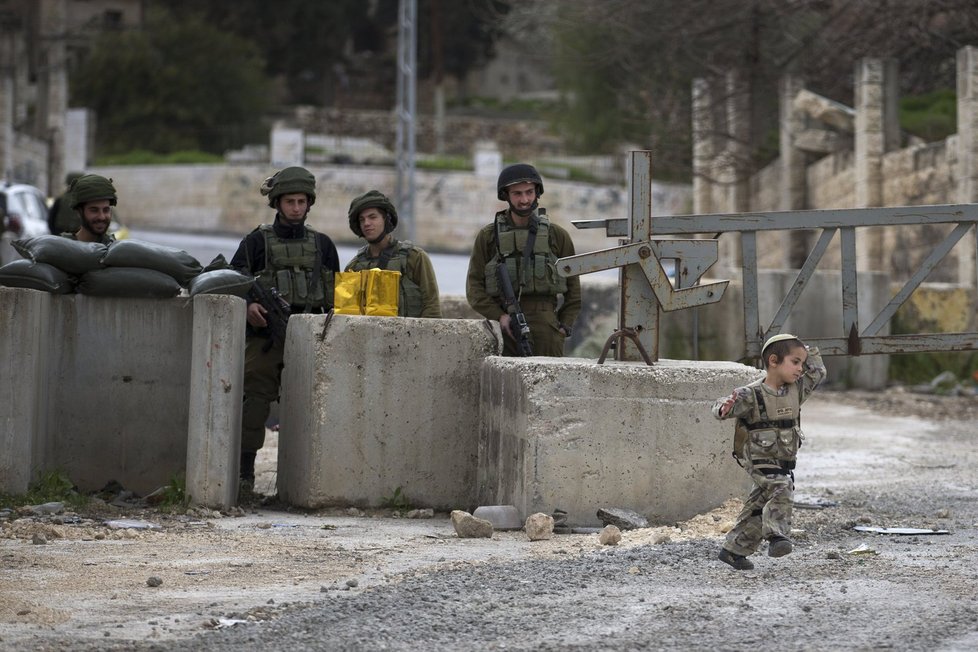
737, 561
778, 546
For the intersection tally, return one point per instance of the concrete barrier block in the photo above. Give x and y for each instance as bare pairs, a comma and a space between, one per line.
24, 349
370, 404
216, 379
118, 390
571, 434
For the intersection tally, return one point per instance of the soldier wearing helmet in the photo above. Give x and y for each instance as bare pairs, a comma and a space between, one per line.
299, 263
61, 216
529, 244
373, 217
91, 197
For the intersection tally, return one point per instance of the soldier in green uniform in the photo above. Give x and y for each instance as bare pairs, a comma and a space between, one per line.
769, 409
300, 264
373, 218
61, 216
529, 243
92, 197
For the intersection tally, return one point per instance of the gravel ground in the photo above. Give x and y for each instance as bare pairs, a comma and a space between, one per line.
334, 581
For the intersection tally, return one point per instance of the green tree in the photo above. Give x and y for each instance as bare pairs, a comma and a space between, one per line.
178, 84
634, 77
305, 44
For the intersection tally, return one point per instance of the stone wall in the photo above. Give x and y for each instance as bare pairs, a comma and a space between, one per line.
523, 138
451, 206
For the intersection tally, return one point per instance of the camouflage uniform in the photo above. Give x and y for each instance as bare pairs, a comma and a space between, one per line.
300, 263
769, 455
538, 295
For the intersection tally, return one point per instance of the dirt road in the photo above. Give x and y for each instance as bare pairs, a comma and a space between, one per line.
339, 581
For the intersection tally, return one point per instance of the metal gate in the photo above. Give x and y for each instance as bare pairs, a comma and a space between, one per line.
646, 290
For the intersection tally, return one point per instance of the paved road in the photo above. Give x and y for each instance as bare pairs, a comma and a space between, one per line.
840, 589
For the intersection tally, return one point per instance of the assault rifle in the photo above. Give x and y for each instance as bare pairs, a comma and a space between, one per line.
277, 312
521, 330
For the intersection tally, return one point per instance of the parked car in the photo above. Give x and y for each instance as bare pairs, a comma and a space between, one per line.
24, 214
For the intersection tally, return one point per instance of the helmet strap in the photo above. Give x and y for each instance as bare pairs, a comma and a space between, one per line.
379, 238
524, 213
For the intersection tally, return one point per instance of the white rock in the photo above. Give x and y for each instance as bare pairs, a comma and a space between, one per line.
539, 526
469, 527
610, 536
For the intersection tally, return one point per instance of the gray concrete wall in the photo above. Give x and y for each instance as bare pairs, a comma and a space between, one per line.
371, 404
99, 388
24, 350
213, 434
570, 434
118, 387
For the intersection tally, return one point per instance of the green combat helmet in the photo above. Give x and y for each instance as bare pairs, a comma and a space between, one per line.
71, 176
518, 173
91, 187
288, 181
372, 199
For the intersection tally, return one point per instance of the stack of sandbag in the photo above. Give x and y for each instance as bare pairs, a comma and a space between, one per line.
51, 263
134, 268
125, 268
219, 278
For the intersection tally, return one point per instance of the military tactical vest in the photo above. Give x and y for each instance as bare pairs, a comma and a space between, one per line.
774, 425
290, 266
410, 303
540, 276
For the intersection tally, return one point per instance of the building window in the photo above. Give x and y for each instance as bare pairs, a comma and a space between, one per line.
112, 19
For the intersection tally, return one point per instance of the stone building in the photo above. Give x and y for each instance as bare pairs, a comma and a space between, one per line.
39, 41
837, 156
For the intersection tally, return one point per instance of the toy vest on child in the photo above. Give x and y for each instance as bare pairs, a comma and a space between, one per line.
772, 431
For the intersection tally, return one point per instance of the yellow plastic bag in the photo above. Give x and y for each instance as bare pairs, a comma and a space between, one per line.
381, 289
371, 292
347, 295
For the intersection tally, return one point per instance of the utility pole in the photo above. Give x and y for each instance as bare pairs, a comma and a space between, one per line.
407, 75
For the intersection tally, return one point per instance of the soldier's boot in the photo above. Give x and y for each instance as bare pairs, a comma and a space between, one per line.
246, 474
733, 559
778, 546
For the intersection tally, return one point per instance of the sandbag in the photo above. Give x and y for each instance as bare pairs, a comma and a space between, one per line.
36, 276
68, 255
136, 253
134, 282
221, 281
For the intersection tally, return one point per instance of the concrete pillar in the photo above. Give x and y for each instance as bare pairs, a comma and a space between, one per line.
216, 378
7, 68
54, 86
570, 434
738, 141
870, 145
737, 155
794, 162
371, 404
967, 169
704, 151
77, 130
487, 160
24, 316
288, 147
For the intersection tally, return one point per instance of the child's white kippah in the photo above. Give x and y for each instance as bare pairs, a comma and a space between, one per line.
778, 338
